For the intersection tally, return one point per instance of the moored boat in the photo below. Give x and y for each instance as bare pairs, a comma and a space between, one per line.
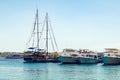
36, 52
88, 57
111, 56
69, 56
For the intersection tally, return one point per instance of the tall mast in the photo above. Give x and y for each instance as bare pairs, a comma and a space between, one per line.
37, 21
47, 32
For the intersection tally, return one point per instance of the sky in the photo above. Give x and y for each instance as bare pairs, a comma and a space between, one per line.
77, 24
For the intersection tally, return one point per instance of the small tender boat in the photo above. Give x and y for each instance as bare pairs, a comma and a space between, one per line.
13, 56
69, 56
111, 56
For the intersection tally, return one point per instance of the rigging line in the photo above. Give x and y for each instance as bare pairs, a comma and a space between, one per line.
33, 43
51, 40
42, 29
53, 35
32, 31
42, 43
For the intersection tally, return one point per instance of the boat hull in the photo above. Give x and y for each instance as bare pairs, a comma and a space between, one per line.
111, 60
68, 59
87, 60
30, 59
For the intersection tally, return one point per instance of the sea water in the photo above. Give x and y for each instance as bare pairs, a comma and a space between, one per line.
17, 69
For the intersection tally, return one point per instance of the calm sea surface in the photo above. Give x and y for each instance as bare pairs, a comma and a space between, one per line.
17, 69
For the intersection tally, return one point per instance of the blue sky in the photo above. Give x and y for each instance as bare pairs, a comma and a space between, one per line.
91, 24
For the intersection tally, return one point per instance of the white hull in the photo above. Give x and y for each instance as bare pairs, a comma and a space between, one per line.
111, 60
87, 60
68, 59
